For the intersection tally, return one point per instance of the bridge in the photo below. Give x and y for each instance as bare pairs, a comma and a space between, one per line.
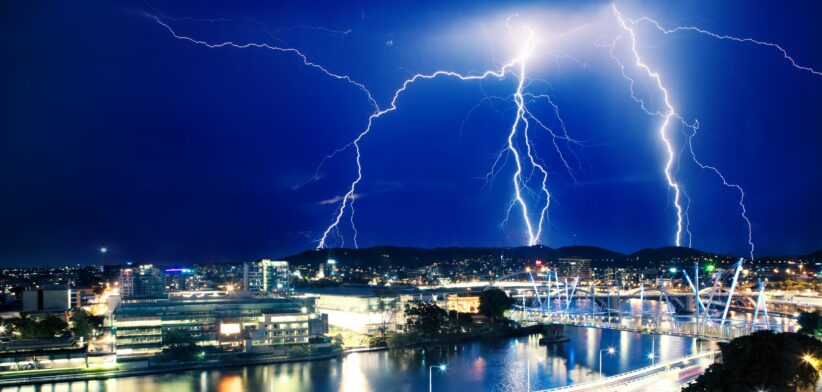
668, 376
693, 310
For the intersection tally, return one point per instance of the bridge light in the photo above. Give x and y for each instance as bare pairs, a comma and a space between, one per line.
672, 270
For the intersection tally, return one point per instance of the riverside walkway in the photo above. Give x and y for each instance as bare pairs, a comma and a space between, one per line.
670, 375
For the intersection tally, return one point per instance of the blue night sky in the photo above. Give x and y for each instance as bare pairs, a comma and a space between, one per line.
117, 134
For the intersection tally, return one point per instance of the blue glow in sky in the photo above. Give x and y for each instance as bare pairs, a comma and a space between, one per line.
118, 134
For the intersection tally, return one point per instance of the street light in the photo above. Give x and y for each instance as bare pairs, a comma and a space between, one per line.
610, 351
652, 355
430, 371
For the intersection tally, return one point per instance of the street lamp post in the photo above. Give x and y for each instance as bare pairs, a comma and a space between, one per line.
652, 355
430, 375
610, 351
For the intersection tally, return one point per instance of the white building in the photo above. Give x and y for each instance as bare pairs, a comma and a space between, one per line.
47, 299
266, 276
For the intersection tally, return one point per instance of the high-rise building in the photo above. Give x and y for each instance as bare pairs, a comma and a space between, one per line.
327, 270
573, 267
47, 299
179, 279
142, 281
266, 276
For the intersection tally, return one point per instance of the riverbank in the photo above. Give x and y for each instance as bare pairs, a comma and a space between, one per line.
86, 374
501, 367
401, 341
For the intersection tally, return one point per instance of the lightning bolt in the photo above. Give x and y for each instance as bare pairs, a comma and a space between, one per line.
668, 115
694, 127
725, 182
518, 134
724, 37
517, 179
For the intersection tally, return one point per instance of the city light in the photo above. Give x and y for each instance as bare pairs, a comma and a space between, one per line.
192, 290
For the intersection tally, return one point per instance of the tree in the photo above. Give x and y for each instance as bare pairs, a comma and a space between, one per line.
50, 327
425, 318
764, 361
494, 303
387, 306
810, 323
298, 352
82, 325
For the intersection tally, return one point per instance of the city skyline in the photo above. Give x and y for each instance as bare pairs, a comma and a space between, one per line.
158, 147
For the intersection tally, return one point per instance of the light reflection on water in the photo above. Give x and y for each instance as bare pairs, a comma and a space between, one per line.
494, 365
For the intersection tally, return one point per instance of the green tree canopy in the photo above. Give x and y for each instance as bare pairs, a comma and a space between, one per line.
494, 303
810, 323
764, 361
81, 324
425, 318
50, 327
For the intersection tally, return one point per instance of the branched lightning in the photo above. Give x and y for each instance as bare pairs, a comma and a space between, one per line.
519, 130
518, 182
725, 182
724, 37
670, 114
520, 147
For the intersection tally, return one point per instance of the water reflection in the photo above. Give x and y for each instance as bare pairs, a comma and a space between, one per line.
493, 365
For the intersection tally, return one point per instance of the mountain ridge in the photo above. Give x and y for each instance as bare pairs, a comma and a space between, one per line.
416, 257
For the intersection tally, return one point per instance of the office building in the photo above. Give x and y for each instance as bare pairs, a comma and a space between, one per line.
231, 323
47, 299
266, 276
327, 270
142, 281
572, 267
179, 279
358, 309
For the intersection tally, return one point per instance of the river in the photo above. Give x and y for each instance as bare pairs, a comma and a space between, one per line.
500, 365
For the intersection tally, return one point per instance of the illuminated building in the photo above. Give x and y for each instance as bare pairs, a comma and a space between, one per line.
142, 281
50, 353
231, 323
179, 279
462, 303
327, 269
573, 267
266, 276
358, 309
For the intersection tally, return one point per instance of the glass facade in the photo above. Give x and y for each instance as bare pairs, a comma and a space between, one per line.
231, 324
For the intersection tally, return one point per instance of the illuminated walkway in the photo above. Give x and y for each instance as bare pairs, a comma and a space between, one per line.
660, 377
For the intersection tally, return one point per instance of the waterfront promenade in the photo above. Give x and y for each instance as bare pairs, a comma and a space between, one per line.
670, 375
